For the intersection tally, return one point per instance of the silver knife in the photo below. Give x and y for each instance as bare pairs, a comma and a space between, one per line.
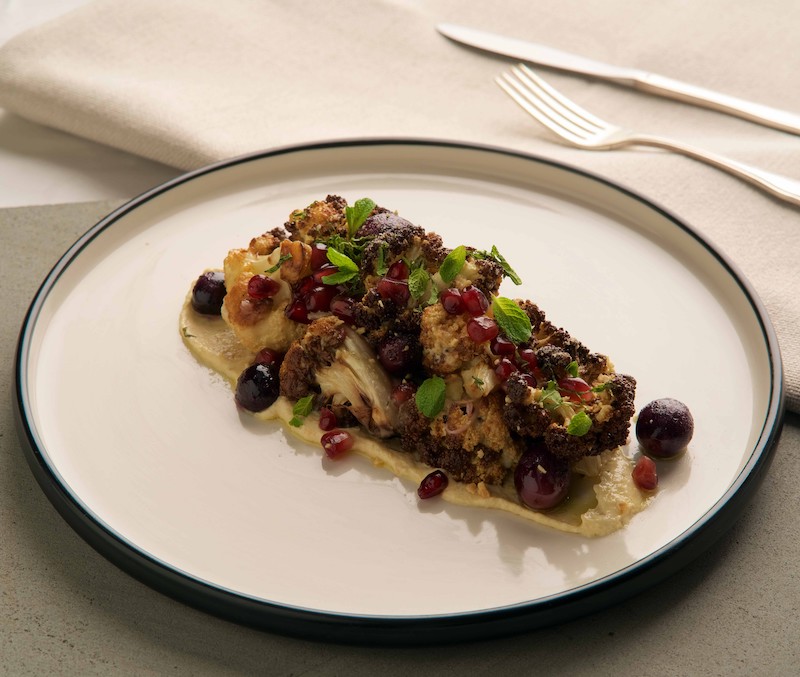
628, 77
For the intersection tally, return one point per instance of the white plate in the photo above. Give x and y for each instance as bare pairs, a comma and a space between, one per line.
145, 454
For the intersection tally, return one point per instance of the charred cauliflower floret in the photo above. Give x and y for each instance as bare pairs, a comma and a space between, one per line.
468, 439
552, 413
319, 221
260, 322
393, 238
333, 361
555, 348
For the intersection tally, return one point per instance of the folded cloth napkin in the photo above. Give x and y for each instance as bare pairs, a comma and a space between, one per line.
187, 82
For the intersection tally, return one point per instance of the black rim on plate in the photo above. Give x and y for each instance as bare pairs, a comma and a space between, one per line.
350, 628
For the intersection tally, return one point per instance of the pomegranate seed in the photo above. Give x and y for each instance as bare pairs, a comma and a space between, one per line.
396, 290
528, 355
319, 255
319, 298
644, 474
268, 356
398, 271
482, 329
327, 419
305, 286
344, 308
502, 346
336, 442
262, 287
575, 389
296, 311
402, 392
324, 271
504, 368
452, 302
432, 485
475, 301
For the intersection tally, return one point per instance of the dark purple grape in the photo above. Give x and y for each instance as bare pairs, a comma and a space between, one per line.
397, 353
542, 480
664, 427
208, 292
258, 387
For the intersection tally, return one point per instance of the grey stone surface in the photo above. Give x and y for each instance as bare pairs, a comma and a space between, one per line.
65, 610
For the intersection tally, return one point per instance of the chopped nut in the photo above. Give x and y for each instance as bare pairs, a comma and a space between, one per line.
299, 265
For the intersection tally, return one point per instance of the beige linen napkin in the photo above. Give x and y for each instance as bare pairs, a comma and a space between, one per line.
187, 82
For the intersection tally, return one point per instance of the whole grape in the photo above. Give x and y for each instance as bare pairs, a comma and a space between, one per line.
665, 427
258, 387
542, 480
208, 293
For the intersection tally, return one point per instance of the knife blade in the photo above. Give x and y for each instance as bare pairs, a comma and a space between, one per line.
641, 80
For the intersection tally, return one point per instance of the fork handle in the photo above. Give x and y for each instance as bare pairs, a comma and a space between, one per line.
776, 184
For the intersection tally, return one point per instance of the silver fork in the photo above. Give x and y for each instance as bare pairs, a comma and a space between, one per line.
580, 128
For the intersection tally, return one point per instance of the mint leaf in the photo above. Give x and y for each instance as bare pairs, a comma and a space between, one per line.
579, 424
301, 409
339, 278
430, 396
514, 322
453, 264
347, 268
418, 282
341, 261
357, 214
572, 368
551, 398
507, 269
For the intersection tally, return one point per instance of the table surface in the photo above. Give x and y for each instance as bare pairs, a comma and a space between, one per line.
66, 610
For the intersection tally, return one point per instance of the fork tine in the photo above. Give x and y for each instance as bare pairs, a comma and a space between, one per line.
525, 100
568, 107
560, 104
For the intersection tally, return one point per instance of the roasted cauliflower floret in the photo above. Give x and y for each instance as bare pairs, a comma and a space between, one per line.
446, 346
333, 361
392, 238
468, 439
319, 221
259, 323
548, 412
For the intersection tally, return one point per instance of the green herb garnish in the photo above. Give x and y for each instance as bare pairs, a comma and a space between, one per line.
572, 368
301, 409
381, 268
496, 256
551, 399
418, 281
453, 264
514, 322
430, 396
357, 214
579, 424
347, 267
280, 262
600, 388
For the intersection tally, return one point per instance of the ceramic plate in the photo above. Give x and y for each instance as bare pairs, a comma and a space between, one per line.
144, 453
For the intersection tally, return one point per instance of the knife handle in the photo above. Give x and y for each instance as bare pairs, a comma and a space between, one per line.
755, 112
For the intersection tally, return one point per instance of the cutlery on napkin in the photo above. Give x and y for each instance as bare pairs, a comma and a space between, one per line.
651, 83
